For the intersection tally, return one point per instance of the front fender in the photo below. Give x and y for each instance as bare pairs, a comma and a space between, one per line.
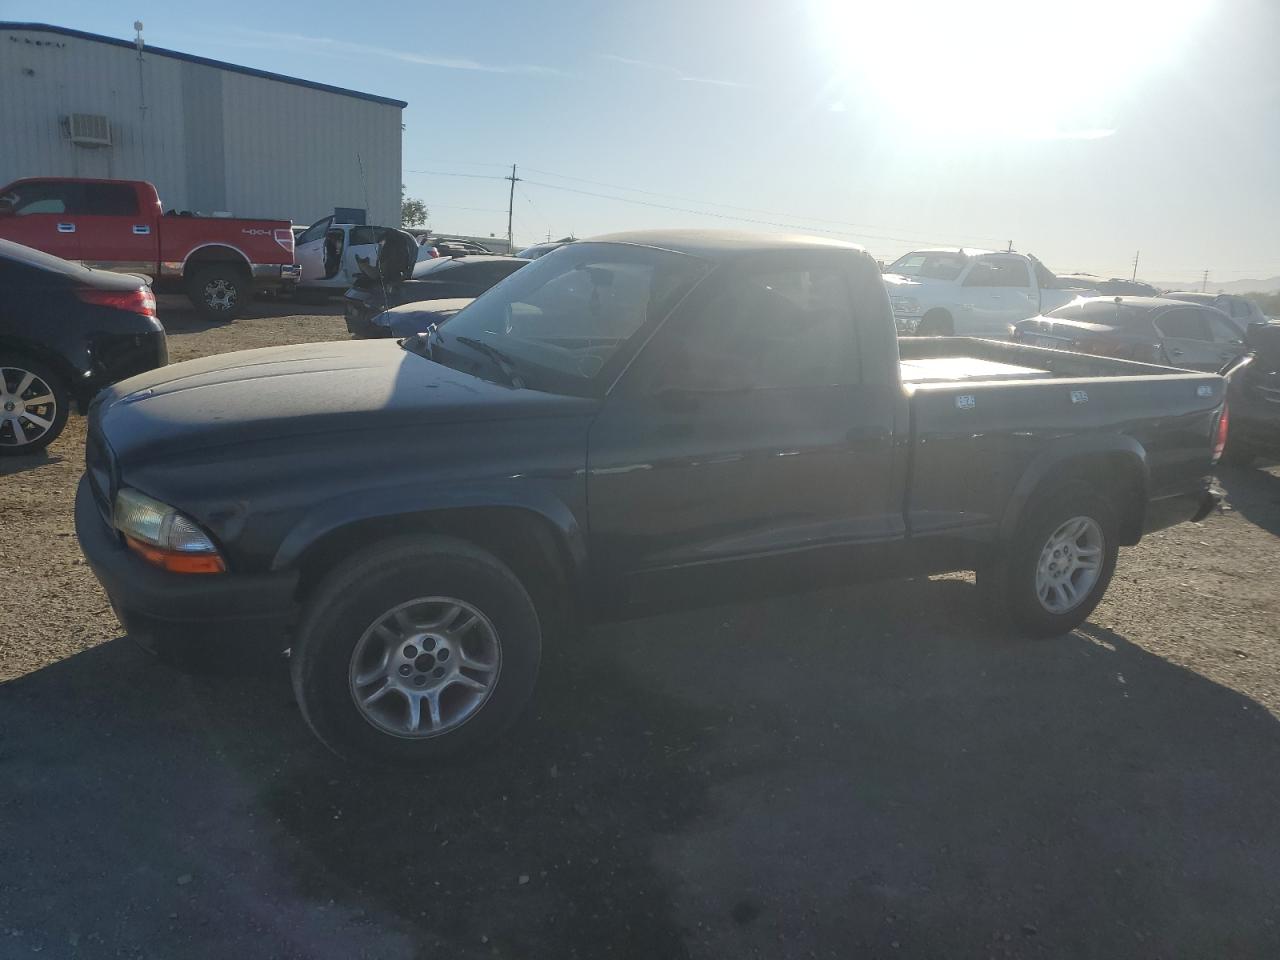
1077, 456
407, 501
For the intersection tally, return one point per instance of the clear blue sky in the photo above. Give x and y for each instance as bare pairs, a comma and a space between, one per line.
1083, 130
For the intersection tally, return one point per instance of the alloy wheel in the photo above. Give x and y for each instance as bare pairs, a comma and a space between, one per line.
220, 294
425, 667
28, 408
1070, 564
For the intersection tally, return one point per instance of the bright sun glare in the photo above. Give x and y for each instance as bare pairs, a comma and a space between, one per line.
1054, 68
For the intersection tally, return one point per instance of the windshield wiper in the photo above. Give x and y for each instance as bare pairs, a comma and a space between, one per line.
503, 362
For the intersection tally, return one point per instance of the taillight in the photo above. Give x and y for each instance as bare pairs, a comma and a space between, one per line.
138, 300
1220, 435
284, 238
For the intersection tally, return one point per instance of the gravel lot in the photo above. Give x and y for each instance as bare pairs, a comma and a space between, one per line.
865, 772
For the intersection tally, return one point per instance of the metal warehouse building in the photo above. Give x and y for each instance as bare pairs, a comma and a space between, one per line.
211, 136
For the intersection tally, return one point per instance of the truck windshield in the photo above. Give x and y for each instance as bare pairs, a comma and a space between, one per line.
567, 317
933, 266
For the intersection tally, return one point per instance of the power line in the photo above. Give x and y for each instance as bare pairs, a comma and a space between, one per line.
726, 216
446, 173
731, 206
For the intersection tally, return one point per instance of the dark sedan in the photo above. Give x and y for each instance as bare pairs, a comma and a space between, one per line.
407, 319
459, 278
1148, 329
65, 332
1253, 395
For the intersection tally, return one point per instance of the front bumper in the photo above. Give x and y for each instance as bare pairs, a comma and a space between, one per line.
216, 613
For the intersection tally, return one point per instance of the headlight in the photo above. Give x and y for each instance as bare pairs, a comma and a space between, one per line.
905, 306
164, 537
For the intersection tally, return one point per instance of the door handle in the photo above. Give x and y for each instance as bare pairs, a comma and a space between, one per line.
1175, 352
996, 296
141, 230
66, 228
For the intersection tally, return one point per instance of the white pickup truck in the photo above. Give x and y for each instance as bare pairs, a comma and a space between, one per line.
971, 293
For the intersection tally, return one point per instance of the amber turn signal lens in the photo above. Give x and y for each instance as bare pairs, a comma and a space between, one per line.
176, 562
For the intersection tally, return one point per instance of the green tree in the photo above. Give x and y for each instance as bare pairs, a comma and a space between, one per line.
413, 212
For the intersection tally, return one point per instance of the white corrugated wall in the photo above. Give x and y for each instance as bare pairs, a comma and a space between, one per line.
286, 150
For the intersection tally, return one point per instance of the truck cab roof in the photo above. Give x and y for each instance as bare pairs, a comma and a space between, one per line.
720, 245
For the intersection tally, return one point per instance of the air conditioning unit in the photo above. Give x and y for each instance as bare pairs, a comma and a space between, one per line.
89, 129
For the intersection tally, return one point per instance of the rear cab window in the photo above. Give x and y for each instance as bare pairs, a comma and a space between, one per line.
109, 200
999, 272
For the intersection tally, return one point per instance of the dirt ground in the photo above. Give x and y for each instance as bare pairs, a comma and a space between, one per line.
865, 772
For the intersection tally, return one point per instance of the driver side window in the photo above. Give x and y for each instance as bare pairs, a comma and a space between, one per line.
776, 329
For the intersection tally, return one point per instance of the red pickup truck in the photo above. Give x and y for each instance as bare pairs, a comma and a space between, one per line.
119, 225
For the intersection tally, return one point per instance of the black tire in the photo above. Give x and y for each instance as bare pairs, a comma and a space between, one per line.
220, 291
23, 435
352, 598
936, 323
1009, 583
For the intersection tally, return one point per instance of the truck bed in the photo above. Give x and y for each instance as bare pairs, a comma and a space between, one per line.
984, 414
940, 359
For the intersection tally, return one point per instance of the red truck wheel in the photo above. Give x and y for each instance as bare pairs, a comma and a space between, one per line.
220, 291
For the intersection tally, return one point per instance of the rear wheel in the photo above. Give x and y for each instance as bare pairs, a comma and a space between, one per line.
414, 651
34, 404
220, 291
936, 323
1058, 567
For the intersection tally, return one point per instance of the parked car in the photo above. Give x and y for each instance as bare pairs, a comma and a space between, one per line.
117, 225
457, 247
442, 279
971, 293
65, 332
329, 253
406, 319
1148, 329
542, 249
1109, 286
1253, 392
640, 420
1241, 310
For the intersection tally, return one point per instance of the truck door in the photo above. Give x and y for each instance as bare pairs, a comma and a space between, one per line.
43, 214
114, 233
309, 251
998, 291
1188, 339
748, 439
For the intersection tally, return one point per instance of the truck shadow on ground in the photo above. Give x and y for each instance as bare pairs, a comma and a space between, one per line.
868, 772
1255, 493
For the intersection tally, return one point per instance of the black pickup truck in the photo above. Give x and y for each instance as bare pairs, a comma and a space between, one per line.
627, 423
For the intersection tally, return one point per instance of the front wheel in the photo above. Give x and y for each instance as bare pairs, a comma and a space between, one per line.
1058, 566
34, 404
414, 651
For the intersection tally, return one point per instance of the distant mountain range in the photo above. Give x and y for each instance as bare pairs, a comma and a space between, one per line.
1231, 286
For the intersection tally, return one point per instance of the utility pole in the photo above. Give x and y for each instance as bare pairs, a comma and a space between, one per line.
1010, 250
511, 203
1204, 281
1135, 265
142, 96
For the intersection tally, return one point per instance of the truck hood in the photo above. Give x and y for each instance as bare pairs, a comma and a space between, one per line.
281, 392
